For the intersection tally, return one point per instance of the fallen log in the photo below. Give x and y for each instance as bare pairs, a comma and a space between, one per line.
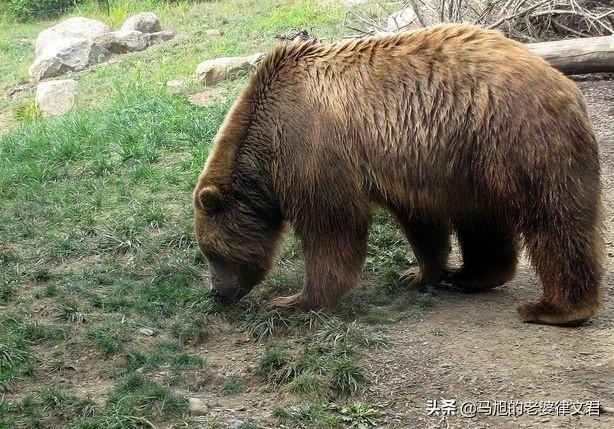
578, 56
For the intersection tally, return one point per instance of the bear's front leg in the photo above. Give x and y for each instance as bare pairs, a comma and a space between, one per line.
333, 266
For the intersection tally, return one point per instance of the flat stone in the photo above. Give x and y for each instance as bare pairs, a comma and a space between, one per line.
123, 41
148, 332
212, 72
197, 407
56, 97
160, 36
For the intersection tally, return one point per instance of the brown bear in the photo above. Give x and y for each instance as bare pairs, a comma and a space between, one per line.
451, 128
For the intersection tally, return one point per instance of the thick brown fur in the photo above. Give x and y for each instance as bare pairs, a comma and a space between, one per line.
452, 128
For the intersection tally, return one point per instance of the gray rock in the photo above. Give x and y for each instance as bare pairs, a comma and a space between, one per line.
122, 41
235, 424
160, 36
146, 22
175, 84
68, 54
56, 97
72, 27
404, 19
213, 32
148, 332
212, 72
197, 407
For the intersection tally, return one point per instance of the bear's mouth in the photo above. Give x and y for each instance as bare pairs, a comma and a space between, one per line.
225, 298
229, 295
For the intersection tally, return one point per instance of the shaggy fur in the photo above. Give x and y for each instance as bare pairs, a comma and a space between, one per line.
452, 128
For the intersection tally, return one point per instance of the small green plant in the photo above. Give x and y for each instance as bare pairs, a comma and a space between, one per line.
275, 357
359, 415
16, 360
307, 382
185, 361
312, 416
233, 386
139, 393
7, 291
192, 329
27, 112
72, 312
262, 324
346, 376
110, 339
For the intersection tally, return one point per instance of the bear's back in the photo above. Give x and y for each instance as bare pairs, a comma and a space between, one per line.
422, 110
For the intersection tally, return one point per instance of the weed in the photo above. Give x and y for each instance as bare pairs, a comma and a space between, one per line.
275, 357
185, 361
192, 329
312, 416
262, 324
232, 386
359, 415
346, 376
71, 311
110, 338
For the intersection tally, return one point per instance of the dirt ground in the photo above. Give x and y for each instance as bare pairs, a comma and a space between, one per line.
473, 347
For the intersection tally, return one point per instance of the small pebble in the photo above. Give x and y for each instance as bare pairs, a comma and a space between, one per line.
148, 332
197, 407
235, 424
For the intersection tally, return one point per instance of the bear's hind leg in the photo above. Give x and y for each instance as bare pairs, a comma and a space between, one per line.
490, 255
568, 259
430, 242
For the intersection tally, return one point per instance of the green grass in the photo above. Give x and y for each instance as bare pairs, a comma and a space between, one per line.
233, 386
97, 241
322, 415
322, 361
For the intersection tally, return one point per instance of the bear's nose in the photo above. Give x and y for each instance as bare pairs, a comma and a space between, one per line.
215, 292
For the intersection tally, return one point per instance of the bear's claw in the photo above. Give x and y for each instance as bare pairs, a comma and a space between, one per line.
543, 312
413, 279
297, 303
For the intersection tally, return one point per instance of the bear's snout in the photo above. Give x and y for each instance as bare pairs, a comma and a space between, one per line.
222, 298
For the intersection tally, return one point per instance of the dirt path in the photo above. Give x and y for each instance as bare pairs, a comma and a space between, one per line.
474, 347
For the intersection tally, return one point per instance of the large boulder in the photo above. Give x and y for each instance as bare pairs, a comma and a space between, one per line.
404, 19
212, 72
68, 54
71, 28
122, 41
146, 22
56, 97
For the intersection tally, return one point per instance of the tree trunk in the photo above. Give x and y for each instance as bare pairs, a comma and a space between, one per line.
578, 56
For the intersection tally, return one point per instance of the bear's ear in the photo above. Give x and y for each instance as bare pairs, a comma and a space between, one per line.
210, 198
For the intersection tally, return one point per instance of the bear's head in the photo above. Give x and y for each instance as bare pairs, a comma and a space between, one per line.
238, 237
